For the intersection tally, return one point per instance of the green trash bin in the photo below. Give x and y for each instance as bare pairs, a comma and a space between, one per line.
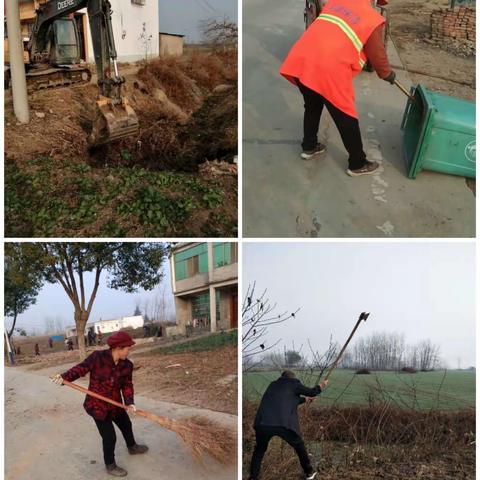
439, 134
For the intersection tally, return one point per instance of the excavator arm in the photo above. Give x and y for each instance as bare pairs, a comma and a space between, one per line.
114, 117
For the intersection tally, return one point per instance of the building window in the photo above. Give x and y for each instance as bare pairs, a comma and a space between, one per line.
201, 310
224, 254
190, 262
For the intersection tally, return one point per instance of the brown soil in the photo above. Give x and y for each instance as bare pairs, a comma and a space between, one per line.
410, 31
172, 99
205, 379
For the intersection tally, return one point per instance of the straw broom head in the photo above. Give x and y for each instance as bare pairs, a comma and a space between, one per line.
202, 437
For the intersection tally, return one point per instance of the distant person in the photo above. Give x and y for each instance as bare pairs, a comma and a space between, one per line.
37, 350
111, 376
277, 416
50, 342
90, 338
100, 338
69, 344
322, 65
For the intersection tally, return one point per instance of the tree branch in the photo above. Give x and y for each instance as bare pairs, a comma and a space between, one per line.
95, 288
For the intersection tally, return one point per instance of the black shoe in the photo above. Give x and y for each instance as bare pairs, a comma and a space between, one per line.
367, 169
308, 154
137, 449
115, 470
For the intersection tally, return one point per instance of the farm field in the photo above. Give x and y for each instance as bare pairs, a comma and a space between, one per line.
450, 390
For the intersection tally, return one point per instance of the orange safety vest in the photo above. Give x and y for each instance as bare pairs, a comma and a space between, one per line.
330, 52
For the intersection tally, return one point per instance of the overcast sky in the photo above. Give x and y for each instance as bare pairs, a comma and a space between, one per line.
184, 17
423, 290
53, 302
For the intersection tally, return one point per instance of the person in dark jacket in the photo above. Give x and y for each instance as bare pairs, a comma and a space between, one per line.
277, 415
110, 376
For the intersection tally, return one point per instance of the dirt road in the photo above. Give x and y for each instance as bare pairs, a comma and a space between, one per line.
287, 197
48, 436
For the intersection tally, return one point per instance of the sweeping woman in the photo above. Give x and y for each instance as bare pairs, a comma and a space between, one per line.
110, 376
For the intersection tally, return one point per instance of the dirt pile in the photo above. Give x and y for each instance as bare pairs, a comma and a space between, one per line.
184, 118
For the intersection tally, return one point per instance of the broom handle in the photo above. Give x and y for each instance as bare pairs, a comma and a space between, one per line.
343, 350
142, 413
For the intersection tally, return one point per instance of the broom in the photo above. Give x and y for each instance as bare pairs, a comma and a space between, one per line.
201, 435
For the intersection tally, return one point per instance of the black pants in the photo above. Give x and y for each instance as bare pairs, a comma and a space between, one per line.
348, 126
109, 438
263, 437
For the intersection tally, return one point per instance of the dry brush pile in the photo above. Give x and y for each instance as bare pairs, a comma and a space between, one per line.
383, 441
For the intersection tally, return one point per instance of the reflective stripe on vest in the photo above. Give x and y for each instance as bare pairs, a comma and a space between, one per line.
357, 43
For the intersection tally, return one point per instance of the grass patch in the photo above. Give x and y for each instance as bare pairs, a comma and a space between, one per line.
47, 197
211, 342
421, 391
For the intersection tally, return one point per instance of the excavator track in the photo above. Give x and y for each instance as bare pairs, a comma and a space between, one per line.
57, 77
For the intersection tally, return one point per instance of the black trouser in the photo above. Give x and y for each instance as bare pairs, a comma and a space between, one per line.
348, 126
263, 437
109, 438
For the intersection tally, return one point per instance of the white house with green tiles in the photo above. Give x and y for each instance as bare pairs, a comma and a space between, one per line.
205, 286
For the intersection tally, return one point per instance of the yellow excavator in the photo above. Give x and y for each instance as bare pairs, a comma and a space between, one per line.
54, 61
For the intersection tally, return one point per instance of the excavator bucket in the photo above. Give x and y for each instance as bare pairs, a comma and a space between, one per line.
113, 121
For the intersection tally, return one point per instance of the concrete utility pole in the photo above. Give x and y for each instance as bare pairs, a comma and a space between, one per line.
17, 67
9, 348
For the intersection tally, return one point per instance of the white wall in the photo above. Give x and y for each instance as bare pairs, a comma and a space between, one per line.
108, 326
127, 20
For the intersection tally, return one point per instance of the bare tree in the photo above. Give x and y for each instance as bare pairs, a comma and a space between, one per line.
49, 325
388, 351
258, 314
158, 309
428, 355
54, 324
220, 33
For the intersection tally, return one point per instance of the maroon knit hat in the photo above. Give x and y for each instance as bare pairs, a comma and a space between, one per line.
120, 339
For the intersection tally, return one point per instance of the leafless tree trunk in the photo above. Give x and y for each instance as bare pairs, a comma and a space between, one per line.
75, 289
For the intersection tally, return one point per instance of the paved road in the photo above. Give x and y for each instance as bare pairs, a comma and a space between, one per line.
286, 197
48, 436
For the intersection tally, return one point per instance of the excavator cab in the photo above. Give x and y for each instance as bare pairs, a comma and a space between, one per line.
65, 48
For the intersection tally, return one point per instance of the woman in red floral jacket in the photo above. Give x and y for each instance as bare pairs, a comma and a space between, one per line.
110, 376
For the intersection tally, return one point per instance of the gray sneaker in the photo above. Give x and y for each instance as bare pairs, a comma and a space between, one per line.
367, 169
115, 470
308, 154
